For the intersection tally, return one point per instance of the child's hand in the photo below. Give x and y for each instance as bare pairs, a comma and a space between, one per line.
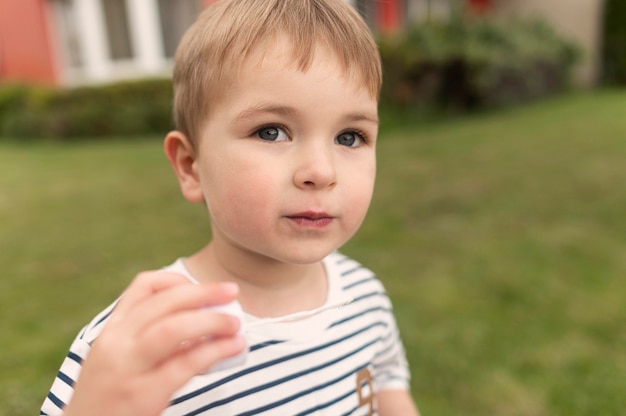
158, 337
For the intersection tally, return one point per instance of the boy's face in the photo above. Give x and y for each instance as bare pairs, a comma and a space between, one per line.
286, 162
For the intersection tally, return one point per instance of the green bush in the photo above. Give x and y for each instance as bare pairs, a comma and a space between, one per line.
463, 64
614, 43
11, 97
123, 109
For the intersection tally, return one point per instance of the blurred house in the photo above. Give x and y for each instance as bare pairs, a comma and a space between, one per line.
577, 20
74, 42
70, 42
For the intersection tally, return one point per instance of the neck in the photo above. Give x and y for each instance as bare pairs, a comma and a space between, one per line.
268, 287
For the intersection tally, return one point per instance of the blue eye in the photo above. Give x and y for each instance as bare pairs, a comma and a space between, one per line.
350, 139
271, 134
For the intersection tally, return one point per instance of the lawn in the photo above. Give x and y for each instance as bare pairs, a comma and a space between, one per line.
501, 239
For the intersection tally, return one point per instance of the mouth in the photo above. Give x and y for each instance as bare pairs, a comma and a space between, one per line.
311, 219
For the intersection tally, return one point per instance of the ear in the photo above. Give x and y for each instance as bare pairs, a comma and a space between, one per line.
182, 156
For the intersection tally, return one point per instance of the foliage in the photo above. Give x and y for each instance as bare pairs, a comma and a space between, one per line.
466, 63
614, 42
128, 108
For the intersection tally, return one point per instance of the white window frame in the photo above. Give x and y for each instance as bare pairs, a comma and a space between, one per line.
97, 66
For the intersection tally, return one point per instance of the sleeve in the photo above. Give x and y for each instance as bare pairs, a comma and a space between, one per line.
63, 385
391, 369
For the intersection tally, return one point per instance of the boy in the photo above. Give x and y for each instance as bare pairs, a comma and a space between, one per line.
276, 114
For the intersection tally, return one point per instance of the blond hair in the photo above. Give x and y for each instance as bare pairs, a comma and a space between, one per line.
227, 32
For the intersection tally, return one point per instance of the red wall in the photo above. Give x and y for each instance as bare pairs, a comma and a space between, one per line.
25, 47
479, 6
389, 15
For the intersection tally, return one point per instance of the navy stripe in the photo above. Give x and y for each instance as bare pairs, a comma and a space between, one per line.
365, 312
262, 345
57, 402
301, 394
64, 378
103, 318
369, 295
351, 412
281, 380
350, 271
328, 404
90, 328
272, 363
75, 357
360, 282
82, 333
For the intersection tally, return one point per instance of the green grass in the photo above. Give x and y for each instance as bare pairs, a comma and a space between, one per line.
501, 239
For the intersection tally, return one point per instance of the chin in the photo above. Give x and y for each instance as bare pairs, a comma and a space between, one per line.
304, 255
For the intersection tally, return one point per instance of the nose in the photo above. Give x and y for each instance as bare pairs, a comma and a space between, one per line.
316, 168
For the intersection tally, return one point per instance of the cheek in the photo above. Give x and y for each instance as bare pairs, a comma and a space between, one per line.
362, 189
239, 194
360, 203
367, 178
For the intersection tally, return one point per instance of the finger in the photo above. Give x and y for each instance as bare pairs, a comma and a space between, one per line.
184, 330
144, 285
178, 299
199, 359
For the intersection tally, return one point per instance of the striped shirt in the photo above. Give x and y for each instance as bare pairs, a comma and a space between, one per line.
330, 362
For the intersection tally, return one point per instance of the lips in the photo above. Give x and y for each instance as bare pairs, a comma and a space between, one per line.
311, 219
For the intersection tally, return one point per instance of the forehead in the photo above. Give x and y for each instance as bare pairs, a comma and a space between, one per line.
271, 82
279, 53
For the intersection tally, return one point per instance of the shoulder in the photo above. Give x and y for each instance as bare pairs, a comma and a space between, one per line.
91, 331
355, 280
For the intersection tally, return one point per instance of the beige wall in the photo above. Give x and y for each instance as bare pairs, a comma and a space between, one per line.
579, 20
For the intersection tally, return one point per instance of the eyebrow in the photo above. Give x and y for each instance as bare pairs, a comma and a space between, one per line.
372, 118
266, 109
291, 112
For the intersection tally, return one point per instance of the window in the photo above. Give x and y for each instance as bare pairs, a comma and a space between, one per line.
432, 9
65, 16
118, 33
176, 17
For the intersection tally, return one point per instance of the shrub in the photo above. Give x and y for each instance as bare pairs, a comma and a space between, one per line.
129, 108
614, 43
11, 97
462, 64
